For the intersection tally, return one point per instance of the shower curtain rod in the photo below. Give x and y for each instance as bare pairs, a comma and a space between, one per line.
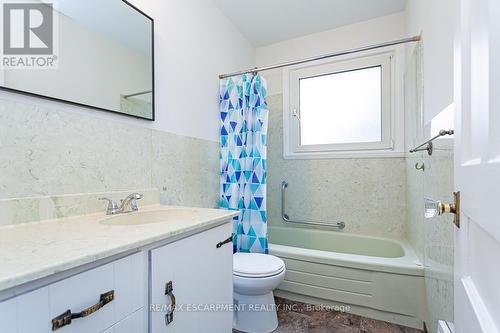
324, 56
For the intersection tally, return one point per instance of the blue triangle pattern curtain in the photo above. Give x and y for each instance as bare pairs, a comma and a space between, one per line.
243, 177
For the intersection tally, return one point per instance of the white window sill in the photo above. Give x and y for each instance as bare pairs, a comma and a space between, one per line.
344, 155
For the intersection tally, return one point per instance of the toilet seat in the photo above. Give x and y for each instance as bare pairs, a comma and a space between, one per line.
257, 265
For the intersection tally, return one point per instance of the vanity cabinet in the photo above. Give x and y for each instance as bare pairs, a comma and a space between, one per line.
134, 290
199, 275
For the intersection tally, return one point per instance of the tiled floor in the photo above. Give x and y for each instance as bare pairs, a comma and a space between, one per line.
295, 317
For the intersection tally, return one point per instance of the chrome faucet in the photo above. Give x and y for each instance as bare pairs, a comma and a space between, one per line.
112, 208
128, 205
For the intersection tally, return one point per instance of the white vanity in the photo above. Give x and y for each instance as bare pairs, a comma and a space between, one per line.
120, 274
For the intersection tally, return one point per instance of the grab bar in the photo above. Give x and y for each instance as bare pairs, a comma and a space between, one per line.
286, 218
429, 146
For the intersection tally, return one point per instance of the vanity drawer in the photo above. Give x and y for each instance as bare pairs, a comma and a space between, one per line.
125, 277
27, 313
33, 312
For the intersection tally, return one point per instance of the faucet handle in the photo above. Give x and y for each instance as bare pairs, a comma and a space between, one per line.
112, 206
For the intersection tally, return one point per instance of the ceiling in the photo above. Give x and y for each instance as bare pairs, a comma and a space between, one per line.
265, 22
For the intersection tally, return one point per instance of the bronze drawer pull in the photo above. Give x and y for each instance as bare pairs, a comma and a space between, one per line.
169, 291
224, 242
68, 316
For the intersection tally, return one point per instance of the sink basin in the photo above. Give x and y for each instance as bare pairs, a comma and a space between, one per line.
150, 217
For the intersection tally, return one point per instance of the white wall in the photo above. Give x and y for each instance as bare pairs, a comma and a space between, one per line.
434, 19
355, 35
194, 42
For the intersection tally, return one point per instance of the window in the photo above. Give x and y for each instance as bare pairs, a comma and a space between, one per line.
340, 108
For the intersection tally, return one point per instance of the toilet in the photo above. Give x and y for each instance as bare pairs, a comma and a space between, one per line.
255, 276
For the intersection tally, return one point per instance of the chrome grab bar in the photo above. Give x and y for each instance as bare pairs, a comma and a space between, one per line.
286, 217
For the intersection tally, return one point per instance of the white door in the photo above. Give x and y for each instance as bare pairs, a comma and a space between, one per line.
477, 165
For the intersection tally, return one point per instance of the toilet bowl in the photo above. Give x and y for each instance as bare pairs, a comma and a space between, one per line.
255, 276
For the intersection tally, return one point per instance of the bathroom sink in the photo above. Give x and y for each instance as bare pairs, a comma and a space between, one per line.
150, 217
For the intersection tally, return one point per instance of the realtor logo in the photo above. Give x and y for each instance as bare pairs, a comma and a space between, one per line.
28, 35
28, 28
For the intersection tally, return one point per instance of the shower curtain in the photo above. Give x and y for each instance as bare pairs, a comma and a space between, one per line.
244, 119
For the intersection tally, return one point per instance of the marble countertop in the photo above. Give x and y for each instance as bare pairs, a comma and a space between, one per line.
37, 250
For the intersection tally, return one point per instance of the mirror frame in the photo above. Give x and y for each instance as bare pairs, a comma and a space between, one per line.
28, 93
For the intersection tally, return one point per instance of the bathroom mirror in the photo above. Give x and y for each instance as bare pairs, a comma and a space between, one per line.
94, 53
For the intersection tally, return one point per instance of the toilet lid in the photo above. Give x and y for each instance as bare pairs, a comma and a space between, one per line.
256, 265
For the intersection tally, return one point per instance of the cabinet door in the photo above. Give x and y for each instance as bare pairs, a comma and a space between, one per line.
135, 323
201, 276
8, 313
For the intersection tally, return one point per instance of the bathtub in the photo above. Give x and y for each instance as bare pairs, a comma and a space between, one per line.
375, 277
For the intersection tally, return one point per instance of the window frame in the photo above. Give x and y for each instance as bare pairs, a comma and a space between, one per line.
389, 146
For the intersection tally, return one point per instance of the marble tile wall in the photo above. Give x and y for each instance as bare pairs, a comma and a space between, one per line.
32, 209
439, 238
367, 194
48, 152
413, 137
186, 170
433, 239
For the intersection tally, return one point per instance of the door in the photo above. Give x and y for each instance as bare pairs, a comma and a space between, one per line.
201, 280
477, 165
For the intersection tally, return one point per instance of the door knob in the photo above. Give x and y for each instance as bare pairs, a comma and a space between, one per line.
435, 208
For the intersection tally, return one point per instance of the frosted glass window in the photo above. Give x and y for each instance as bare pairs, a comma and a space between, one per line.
341, 108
